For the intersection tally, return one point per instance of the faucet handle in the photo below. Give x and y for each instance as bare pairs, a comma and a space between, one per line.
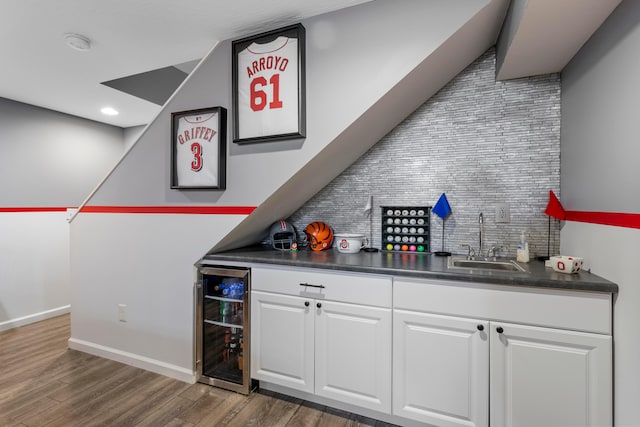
471, 253
493, 250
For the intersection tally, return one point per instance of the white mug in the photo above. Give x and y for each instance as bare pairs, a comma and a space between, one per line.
350, 243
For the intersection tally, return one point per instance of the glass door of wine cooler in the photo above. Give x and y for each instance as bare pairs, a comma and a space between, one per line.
222, 327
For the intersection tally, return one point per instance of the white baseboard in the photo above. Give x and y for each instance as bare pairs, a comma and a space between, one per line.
132, 359
32, 318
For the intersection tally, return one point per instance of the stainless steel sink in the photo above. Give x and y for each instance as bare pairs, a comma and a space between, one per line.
477, 264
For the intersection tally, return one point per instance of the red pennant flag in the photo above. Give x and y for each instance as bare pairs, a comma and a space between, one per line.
554, 208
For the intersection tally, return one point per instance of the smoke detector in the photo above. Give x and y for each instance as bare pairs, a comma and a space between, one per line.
77, 42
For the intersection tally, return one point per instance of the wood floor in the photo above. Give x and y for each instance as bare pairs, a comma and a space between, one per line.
43, 383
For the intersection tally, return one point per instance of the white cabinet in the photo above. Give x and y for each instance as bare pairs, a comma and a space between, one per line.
440, 374
452, 370
353, 354
282, 340
450, 353
545, 377
323, 333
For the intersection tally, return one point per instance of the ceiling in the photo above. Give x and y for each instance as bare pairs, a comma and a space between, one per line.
140, 45
128, 37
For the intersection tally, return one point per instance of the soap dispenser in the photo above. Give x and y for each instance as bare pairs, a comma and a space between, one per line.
522, 253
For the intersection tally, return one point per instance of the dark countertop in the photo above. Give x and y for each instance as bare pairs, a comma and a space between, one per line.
410, 264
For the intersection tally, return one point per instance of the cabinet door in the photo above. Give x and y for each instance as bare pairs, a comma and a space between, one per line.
353, 354
549, 377
441, 369
282, 340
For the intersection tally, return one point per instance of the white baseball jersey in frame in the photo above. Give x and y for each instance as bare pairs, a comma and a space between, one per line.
267, 88
197, 150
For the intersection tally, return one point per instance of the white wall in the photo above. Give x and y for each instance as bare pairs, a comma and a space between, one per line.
48, 162
52, 159
34, 267
354, 58
131, 135
599, 172
145, 262
350, 65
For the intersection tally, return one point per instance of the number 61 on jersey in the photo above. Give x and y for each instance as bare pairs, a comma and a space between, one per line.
268, 86
198, 149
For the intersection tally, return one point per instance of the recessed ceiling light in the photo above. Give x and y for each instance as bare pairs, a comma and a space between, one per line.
109, 111
77, 42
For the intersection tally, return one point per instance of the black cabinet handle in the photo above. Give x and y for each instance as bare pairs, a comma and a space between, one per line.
318, 305
499, 329
480, 327
306, 303
312, 286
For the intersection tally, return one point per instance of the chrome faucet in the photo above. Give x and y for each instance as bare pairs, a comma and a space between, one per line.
480, 223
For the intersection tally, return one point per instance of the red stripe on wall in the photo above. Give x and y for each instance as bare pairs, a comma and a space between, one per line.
34, 209
628, 220
205, 210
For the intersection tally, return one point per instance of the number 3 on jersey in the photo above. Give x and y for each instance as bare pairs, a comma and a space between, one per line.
196, 163
259, 97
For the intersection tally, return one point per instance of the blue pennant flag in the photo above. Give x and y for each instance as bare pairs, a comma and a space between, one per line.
442, 208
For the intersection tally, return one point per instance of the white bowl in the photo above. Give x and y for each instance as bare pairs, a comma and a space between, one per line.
349, 243
566, 264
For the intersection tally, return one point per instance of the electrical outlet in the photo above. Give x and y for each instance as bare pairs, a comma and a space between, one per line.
502, 213
122, 312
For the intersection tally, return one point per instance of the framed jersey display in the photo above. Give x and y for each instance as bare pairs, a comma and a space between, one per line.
199, 149
269, 86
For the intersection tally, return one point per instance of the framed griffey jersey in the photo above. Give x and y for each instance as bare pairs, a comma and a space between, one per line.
269, 86
198, 149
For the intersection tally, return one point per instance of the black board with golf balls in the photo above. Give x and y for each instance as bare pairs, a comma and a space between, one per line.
405, 228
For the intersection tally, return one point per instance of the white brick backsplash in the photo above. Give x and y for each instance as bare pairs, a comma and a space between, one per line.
480, 141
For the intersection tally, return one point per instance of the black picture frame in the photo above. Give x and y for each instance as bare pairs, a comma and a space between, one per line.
268, 88
199, 149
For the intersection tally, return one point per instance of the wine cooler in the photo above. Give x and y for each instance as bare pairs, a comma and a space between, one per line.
222, 327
